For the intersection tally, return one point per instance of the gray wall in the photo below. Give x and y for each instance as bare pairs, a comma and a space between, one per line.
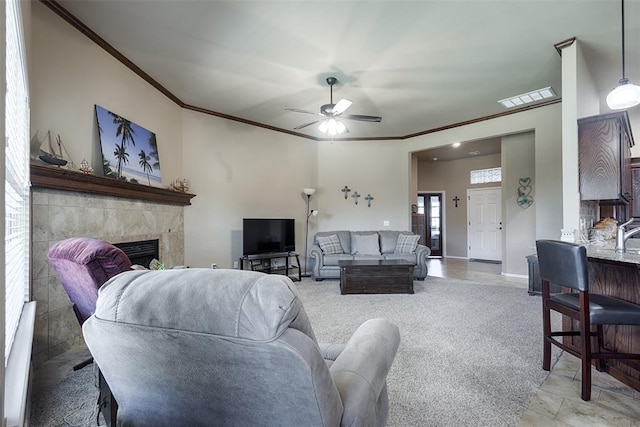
237, 170
518, 160
452, 177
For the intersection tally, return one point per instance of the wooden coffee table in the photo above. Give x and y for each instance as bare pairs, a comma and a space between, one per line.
376, 277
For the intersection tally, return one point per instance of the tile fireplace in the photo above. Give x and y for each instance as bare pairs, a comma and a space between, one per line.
58, 214
141, 252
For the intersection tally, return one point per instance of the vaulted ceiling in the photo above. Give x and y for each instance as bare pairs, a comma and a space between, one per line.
421, 65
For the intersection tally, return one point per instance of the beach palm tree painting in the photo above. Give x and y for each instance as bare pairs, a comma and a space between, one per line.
121, 140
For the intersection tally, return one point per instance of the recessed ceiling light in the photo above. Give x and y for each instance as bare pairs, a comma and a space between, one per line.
529, 97
435, 159
455, 145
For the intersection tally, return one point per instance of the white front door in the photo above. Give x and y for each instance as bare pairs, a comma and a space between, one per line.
484, 232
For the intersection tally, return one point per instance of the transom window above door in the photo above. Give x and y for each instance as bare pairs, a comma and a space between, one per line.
483, 176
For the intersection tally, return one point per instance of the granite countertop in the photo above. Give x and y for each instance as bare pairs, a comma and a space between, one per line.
605, 250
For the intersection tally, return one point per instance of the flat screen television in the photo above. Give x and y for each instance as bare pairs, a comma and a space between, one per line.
267, 235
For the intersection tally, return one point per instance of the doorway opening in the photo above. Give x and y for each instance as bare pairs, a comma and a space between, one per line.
428, 221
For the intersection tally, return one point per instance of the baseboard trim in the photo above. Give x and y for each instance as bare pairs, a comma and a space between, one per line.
519, 276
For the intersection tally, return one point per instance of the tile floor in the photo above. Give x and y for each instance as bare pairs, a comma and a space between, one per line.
557, 403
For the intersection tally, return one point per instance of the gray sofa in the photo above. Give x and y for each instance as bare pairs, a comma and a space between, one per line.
325, 263
205, 347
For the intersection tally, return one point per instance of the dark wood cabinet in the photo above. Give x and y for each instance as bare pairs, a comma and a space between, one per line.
604, 153
635, 187
418, 227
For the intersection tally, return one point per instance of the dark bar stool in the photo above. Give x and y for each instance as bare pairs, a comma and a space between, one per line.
565, 264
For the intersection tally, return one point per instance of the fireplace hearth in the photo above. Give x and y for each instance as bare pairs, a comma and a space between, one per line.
141, 252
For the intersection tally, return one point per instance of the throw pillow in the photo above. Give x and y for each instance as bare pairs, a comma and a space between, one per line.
330, 245
407, 243
365, 244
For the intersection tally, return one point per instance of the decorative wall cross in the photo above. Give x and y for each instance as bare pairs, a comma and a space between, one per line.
345, 190
355, 196
368, 199
456, 199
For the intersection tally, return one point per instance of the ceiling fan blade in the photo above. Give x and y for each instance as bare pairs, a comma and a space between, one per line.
297, 110
361, 117
341, 107
306, 124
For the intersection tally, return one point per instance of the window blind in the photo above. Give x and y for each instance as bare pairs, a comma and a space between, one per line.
16, 183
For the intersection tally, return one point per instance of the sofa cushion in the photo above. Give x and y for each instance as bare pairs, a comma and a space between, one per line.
410, 257
368, 257
407, 243
334, 259
343, 235
330, 245
388, 240
365, 244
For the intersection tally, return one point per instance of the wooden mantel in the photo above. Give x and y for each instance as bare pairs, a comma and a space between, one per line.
62, 179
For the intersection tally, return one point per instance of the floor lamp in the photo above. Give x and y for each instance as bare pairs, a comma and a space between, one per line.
308, 192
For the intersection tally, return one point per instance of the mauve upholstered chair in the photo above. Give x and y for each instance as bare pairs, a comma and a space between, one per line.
223, 347
83, 265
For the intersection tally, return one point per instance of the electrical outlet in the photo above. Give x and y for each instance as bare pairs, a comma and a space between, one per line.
235, 264
385, 223
568, 235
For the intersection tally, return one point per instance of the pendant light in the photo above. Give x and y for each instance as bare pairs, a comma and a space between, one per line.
626, 94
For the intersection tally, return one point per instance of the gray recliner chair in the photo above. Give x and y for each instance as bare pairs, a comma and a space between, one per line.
232, 348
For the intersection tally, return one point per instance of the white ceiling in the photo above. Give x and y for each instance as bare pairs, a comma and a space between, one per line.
466, 149
421, 65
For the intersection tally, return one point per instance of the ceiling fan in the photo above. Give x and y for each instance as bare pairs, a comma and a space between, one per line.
331, 112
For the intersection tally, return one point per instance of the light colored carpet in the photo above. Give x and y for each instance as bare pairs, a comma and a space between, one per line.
70, 403
470, 354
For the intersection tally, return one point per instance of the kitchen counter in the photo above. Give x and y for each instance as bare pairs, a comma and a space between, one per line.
618, 275
604, 251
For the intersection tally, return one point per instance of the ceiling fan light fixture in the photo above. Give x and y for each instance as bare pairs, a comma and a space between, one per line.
331, 112
332, 127
341, 106
625, 95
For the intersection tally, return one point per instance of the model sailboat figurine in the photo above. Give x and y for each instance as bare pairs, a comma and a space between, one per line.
50, 156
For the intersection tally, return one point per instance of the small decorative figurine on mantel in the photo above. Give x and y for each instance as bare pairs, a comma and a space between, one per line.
181, 185
85, 167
